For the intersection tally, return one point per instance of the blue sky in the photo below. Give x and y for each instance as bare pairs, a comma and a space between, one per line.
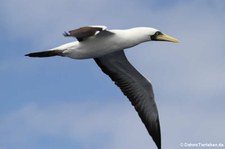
64, 103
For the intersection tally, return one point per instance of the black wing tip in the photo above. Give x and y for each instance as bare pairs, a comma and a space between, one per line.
27, 55
157, 135
66, 34
31, 55
158, 143
45, 53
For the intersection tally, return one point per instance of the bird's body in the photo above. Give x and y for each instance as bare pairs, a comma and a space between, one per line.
107, 42
107, 49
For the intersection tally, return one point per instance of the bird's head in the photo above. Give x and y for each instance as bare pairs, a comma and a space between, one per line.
156, 35
134, 36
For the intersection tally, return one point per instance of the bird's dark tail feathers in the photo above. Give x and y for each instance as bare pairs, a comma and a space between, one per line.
46, 53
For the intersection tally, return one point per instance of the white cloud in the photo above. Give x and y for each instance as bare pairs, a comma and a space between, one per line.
118, 125
115, 125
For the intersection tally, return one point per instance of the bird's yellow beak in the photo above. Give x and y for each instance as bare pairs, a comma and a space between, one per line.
164, 37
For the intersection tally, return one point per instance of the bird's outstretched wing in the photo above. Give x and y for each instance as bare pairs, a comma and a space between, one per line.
137, 88
85, 32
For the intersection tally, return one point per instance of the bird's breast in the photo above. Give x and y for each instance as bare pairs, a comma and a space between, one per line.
95, 47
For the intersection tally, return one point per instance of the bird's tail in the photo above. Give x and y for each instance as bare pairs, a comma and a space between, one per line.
46, 53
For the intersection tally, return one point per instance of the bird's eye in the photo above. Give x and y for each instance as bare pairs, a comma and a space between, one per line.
158, 33
153, 37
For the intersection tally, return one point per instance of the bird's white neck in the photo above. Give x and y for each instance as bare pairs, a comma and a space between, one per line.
132, 37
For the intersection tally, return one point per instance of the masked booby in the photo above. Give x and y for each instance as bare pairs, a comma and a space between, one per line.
106, 47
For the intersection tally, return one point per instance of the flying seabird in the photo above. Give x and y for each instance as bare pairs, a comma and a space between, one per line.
106, 47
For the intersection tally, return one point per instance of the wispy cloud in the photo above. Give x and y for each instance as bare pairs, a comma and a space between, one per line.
114, 124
